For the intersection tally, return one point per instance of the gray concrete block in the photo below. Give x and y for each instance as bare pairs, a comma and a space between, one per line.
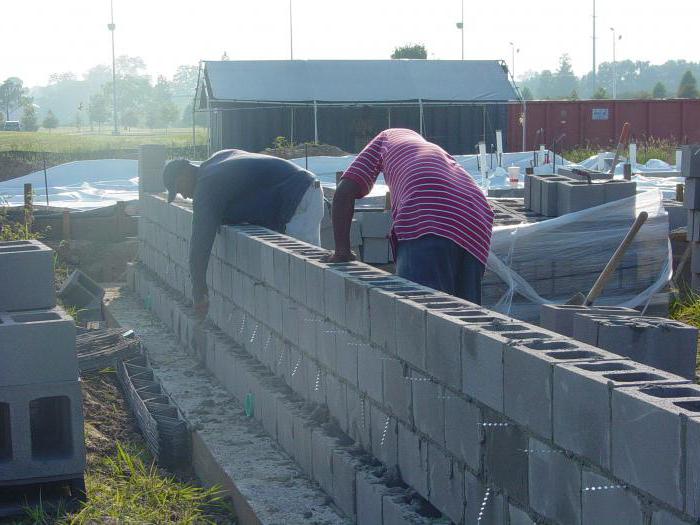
693, 228
410, 337
443, 355
554, 483
302, 445
446, 479
369, 371
291, 322
345, 468
374, 223
428, 399
314, 286
690, 163
280, 260
376, 251
397, 511
322, 447
484, 508
297, 278
336, 400
692, 465
326, 344
505, 462
26, 276
549, 189
382, 319
347, 349
604, 500
653, 465
581, 404
615, 190
358, 418
662, 517
357, 311
46, 431
384, 436
397, 390
578, 195
37, 346
370, 493
657, 342
413, 460
528, 371
560, 318
463, 430
334, 295
285, 425
527, 185
518, 517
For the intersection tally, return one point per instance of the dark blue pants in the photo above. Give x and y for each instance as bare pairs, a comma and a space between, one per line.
442, 264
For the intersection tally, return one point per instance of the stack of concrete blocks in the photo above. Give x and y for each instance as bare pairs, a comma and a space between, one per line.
152, 158
482, 415
554, 196
41, 421
374, 228
691, 172
657, 342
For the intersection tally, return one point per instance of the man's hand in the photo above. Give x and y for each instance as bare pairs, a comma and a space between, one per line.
339, 257
201, 308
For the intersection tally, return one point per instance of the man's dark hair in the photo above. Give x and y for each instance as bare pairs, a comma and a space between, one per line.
171, 171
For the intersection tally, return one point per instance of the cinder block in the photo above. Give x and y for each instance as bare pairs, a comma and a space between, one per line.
369, 371
285, 425
528, 370
382, 319
302, 446
347, 348
443, 355
397, 390
410, 337
26, 276
555, 483
334, 295
297, 278
326, 344
336, 400
693, 228
291, 322
657, 342
446, 479
505, 462
692, 454
579, 195
480, 508
519, 517
413, 460
357, 307
152, 158
653, 465
690, 164
358, 418
46, 431
280, 260
662, 517
428, 406
604, 500
37, 346
374, 223
370, 492
581, 404
322, 447
345, 468
314, 286
384, 436
616, 190
463, 430
560, 317
375, 251
549, 189
397, 511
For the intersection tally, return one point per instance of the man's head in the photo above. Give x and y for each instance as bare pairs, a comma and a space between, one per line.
180, 176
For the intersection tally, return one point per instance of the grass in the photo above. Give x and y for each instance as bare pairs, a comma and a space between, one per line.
63, 140
650, 149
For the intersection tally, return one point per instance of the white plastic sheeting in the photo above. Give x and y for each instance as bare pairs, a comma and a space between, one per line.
82, 185
583, 242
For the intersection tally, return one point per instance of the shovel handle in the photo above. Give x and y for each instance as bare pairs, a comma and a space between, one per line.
614, 261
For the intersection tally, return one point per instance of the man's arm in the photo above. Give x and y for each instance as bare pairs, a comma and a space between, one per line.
209, 206
343, 210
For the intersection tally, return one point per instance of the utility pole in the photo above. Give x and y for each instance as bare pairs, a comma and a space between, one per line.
291, 33
614, 82
594, 63
514, 50
460, 26
111, 28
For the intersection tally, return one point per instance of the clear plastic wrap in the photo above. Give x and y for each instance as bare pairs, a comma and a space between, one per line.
550, 261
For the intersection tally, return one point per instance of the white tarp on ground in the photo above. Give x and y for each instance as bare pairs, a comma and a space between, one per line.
81, 185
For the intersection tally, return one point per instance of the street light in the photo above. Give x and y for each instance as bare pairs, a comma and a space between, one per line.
291, 34
614, 82
514, 50
460, 26
111, 28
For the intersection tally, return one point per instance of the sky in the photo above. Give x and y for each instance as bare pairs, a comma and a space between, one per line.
53, 36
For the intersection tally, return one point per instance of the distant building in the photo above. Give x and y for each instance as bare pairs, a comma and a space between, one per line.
346, 102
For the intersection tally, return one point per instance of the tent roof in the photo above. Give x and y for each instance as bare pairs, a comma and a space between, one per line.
358, 81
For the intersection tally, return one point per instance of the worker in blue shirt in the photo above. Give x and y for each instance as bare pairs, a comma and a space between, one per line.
238, 187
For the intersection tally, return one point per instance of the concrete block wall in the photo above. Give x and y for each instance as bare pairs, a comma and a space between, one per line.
475, 411
41, 420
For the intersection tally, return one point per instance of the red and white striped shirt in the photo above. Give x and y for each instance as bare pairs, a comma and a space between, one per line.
430, 193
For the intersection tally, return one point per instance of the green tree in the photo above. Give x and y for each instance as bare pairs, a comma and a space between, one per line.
659, 90
50, 121
28, 120
574, 95
2, 119
130, 119
689, 86
12, 93
601, 94
565, 81
97, 110
410, 51
526, 93
78, 121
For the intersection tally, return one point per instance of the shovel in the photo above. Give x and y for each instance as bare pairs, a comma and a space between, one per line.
587, 300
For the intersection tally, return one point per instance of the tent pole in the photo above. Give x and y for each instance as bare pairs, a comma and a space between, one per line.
291, 125
315, 122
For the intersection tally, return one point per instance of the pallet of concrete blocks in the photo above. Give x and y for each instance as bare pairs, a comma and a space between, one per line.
159, 419
654, 341
26, 276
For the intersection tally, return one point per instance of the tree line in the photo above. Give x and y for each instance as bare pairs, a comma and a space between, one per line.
87, 102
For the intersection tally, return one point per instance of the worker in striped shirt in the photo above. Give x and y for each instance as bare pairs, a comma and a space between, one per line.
442, 221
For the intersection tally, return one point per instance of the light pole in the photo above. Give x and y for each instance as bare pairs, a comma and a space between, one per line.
291, 33
111, 28
594, 64
460, 26
614, 82
513, 50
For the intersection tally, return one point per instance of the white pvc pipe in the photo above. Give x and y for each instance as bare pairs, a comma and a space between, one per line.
315, 122
499, 146
679, 159
482, 159
633, 154
541, 155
